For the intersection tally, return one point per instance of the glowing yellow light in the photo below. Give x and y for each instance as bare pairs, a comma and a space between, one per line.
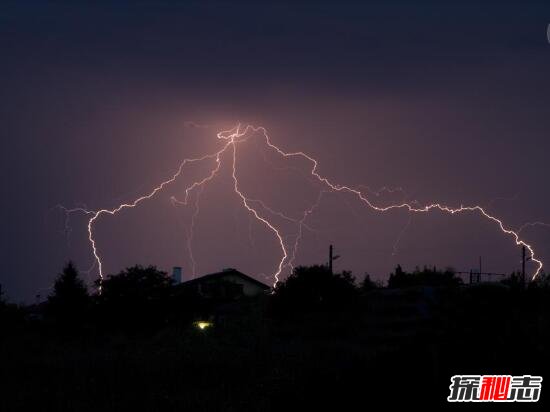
203, 325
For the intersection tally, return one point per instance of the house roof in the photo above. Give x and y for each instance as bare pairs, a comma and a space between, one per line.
222, 274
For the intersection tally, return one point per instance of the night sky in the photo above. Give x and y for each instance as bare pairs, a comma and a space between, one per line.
450, 102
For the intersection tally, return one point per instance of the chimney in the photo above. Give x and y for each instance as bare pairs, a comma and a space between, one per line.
177, 274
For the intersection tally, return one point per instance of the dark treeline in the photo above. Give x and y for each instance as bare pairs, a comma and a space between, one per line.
320, 339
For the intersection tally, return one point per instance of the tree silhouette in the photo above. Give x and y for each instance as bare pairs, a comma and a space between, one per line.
314, 288
11, 315
514, 280
368, 284
135, 297
70, 300
425, 277
3, 304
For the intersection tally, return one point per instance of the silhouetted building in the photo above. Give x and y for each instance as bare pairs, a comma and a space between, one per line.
227, 284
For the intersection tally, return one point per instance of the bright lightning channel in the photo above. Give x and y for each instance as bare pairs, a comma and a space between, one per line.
231, 138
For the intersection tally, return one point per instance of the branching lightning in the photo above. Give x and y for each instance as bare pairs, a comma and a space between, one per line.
263, 213
532, 224
191, 229
301, 226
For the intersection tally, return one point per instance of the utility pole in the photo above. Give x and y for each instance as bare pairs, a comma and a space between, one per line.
479, 275
330, 259
476, 276
480, 265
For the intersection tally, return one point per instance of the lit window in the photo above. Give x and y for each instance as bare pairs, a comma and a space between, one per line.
202, 324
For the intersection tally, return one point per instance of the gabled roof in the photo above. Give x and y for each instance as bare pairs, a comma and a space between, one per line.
222, 274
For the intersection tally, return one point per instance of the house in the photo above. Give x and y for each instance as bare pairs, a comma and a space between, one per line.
227, 284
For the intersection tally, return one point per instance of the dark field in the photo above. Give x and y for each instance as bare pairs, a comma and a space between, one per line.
399, 347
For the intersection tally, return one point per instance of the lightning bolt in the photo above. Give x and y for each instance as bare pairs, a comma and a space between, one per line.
385, 189
502, 198
400, 236
533, 224
246, 203
98, 213
302, 225
191, 229
390, 190
262, 212
403, 205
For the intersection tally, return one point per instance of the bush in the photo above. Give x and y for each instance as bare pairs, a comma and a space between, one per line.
314, 288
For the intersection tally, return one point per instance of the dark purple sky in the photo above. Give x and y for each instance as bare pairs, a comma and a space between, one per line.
450, 102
